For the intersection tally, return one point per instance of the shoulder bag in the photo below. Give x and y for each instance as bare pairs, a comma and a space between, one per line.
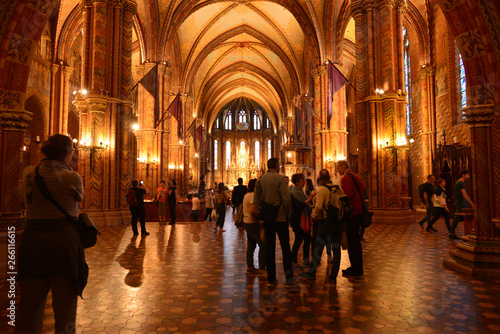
85, 226
367, 215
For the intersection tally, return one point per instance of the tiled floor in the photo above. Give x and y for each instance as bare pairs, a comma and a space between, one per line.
187, 279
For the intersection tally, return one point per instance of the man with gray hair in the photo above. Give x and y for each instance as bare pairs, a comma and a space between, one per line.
272, 196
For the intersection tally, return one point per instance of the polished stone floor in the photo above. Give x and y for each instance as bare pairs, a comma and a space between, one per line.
186, 279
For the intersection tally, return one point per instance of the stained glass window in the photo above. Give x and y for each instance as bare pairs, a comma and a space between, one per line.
229, 121
217, 123
257, 154
462, 85
269, 150
242, 117
407, 67
268, 124
256, 121
216, 155
228, 154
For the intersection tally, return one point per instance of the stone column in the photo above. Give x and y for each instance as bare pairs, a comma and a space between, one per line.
380, 116
105, 111
318, 76
14, 124
478, 254
187, 110
66, 73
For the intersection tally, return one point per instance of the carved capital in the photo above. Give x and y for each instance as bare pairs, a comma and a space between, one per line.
10, 99
165, 70
15, 120
390, 3
319, 71
480, 115
97, 105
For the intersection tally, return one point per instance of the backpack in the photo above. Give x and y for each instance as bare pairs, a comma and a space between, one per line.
238, 219
421, 190
131, 199
339, 208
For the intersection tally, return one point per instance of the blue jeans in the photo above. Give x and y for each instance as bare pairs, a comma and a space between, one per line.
326, 234
457, 219
253, 239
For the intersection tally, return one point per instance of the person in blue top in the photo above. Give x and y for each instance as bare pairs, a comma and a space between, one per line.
461, 201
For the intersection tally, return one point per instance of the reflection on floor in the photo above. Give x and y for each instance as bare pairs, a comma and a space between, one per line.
187, 279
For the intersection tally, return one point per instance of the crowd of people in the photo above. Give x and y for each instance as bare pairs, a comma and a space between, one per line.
51, 257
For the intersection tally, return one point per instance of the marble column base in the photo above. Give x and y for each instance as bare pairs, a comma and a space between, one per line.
476, 257
393, 216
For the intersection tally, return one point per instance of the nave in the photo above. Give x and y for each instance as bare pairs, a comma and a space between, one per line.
186, 279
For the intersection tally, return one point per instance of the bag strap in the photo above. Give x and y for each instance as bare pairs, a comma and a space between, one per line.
359, 192
47, 195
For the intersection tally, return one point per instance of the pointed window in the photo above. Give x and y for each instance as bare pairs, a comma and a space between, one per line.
407, 68
269, 150
216, 155
256, 121
242, 117
217, 122
228, 124
228, 154
462, 85
257, 154
268, 124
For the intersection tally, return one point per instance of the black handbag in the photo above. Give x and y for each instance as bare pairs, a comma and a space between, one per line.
85, 226
367, 215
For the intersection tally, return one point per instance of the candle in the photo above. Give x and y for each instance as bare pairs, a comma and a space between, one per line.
37, 138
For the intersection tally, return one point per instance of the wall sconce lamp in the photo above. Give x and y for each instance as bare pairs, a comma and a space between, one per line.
379, 91
147, 163
86, 147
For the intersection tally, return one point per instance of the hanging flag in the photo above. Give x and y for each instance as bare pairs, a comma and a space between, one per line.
192, 129
199, 134
335, 81
151, 84
175, 109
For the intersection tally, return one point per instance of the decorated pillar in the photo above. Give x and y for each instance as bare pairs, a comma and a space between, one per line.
478, 254
187, 110
105, 109
165, 92
318, 74
380, 109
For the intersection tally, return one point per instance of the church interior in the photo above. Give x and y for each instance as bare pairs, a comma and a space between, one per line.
206, 91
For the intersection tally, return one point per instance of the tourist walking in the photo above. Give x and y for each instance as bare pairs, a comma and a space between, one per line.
195, 209
272, 199
427, 192
51, 255
461, 201
440, 207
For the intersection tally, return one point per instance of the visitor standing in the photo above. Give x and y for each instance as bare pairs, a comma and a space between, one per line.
350, 184
238, 193
195, 210
135, 199
161, 198
272, 196
172, 201
300, 218
328, 231
252, 227
221, 198
51, 256
209, 205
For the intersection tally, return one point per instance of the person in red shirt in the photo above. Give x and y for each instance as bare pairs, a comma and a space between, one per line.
352, 226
